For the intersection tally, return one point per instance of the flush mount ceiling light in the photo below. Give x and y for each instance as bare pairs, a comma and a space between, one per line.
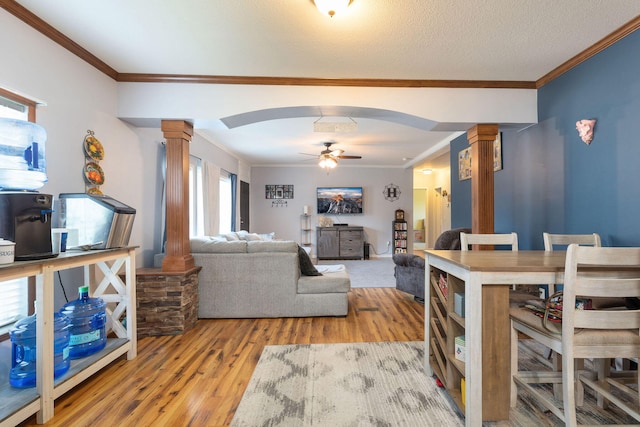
427, 171
334, 127
327, 161
331, 7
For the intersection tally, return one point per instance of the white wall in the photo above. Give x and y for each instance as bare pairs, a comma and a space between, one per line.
78, 97
453, 108
378, 212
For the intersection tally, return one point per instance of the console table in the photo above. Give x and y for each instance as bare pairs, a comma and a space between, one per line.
104, 266
340, 242
484, 277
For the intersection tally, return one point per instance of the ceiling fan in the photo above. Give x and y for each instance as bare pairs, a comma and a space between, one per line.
328, 157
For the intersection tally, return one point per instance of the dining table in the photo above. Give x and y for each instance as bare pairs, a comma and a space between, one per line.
487, 277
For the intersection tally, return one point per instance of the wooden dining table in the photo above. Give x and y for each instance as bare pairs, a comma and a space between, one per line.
488, 277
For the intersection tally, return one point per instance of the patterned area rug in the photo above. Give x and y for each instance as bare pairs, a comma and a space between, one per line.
356, 384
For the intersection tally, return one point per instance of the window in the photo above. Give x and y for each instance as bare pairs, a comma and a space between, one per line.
14, 106
226, 201
14, 302
15, 293
196, 202
218, 208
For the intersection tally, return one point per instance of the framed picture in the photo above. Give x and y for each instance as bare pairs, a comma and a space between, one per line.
464, 164
278, 191
497, 153
464, 159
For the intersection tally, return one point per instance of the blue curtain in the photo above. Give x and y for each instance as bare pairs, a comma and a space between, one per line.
234, 199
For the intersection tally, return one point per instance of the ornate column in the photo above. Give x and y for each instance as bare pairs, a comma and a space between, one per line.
481, 138
178, 256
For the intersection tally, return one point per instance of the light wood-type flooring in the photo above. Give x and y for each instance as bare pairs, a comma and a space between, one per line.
197, 379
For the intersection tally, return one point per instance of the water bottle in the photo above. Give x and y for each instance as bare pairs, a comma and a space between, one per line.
88, 319
23, 350
22, 156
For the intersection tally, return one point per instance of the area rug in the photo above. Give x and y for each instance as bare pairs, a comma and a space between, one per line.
370, 273
355, 384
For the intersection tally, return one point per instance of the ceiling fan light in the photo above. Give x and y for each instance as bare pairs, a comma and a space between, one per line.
327, 162
331, 7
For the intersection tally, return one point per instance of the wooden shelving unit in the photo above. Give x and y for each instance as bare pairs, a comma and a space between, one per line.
305, 232
400, 236
444, 326
18, 404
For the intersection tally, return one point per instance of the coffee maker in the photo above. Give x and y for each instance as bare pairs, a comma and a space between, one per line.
25, 218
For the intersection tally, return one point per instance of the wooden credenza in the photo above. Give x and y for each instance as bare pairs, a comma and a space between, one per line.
343, 242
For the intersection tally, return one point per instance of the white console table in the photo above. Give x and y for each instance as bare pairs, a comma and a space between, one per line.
101, 274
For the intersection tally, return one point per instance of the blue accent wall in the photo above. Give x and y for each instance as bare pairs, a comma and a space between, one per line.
551, 180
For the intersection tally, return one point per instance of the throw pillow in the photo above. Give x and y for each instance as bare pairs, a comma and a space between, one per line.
306, 266
231, 237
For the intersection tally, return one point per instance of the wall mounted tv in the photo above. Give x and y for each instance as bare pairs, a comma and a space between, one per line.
340, 200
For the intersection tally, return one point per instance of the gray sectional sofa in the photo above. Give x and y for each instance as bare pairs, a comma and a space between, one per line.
253, 279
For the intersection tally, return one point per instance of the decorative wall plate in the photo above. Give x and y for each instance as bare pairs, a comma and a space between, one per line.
94, 190
93, 173
93, 148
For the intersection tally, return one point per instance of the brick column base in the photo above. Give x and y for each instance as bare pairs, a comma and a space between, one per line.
166, 303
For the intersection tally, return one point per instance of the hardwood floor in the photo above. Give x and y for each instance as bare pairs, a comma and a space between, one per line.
197, 379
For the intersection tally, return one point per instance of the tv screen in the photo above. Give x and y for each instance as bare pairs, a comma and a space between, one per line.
339, 200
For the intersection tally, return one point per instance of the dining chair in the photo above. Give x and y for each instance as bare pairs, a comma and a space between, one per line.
551, 240
489, 239
585, 334
509, 239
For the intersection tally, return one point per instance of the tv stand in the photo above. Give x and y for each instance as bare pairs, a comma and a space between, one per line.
340, 242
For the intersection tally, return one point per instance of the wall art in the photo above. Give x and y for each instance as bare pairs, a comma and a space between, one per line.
464, 159
585, 129
278, 191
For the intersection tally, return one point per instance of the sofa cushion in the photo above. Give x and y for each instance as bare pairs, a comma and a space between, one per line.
306, 266
272, 246
337, 282
215, 246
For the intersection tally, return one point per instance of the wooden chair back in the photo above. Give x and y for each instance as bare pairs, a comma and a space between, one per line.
509, 239
550, 240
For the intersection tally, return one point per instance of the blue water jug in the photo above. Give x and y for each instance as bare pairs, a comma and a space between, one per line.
22, 156
88, 318
23, 350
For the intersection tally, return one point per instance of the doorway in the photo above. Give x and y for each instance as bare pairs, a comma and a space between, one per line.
419, 218
244, 205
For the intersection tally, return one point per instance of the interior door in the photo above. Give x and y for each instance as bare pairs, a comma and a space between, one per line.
244, 206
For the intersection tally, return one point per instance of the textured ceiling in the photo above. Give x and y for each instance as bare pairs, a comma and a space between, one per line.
504, 40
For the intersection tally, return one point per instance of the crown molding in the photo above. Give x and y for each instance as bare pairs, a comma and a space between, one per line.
310, 81
611, 39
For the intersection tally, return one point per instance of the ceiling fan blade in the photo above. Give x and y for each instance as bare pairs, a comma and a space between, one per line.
349, 157
309, 154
